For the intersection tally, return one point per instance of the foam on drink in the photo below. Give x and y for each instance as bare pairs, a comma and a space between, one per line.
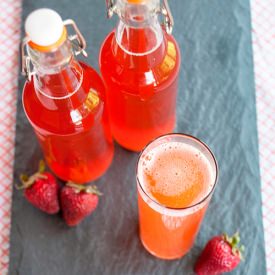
176, 175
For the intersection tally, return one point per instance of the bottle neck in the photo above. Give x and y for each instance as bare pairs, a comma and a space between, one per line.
57, 73
139, 31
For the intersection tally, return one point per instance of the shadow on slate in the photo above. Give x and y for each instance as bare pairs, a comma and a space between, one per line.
216, 103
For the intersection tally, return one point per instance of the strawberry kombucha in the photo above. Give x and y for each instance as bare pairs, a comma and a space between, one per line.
140, 64
64, 100
176, 177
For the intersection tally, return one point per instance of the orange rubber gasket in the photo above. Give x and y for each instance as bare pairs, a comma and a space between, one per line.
136, 1
51, 47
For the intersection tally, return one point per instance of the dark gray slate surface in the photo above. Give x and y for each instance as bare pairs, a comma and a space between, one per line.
216, 103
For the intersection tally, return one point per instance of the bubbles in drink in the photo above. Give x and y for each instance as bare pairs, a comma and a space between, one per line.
176, 174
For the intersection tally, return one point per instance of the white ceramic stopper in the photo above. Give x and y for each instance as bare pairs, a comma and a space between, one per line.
44, 27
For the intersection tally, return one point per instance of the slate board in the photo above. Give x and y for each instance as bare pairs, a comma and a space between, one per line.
216, 103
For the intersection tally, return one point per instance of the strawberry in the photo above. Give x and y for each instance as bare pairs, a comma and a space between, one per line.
41, 190
77, 202
221, 254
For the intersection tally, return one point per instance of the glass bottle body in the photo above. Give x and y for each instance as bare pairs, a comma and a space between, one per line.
140, 66
67, 111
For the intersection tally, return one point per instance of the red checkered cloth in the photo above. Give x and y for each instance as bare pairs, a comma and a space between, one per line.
263, 34
263, 22
10, 15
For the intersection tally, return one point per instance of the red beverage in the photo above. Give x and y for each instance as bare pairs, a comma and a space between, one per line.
65, 103
140, 63
176, 177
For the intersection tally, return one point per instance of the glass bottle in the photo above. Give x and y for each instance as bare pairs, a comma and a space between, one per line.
140, 63
64, 99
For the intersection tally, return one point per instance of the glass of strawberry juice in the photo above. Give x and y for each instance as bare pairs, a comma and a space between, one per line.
176, 177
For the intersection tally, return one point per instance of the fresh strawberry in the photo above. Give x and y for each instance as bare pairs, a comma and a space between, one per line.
221, 254
77, 202
41, 190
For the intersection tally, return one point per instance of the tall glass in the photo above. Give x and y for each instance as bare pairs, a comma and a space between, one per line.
176, 177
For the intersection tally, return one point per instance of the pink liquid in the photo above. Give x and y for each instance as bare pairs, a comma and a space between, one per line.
175, 175
141, 88
73, 131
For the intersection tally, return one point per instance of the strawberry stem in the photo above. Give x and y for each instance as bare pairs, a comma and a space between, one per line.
234, 242
24, 177
42, 166
92, 189
27, 182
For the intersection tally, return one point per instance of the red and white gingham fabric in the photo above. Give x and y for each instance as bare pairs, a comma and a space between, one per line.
263, 34
263, 23
10, 15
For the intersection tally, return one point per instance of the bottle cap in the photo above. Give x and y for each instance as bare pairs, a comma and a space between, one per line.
45, 29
